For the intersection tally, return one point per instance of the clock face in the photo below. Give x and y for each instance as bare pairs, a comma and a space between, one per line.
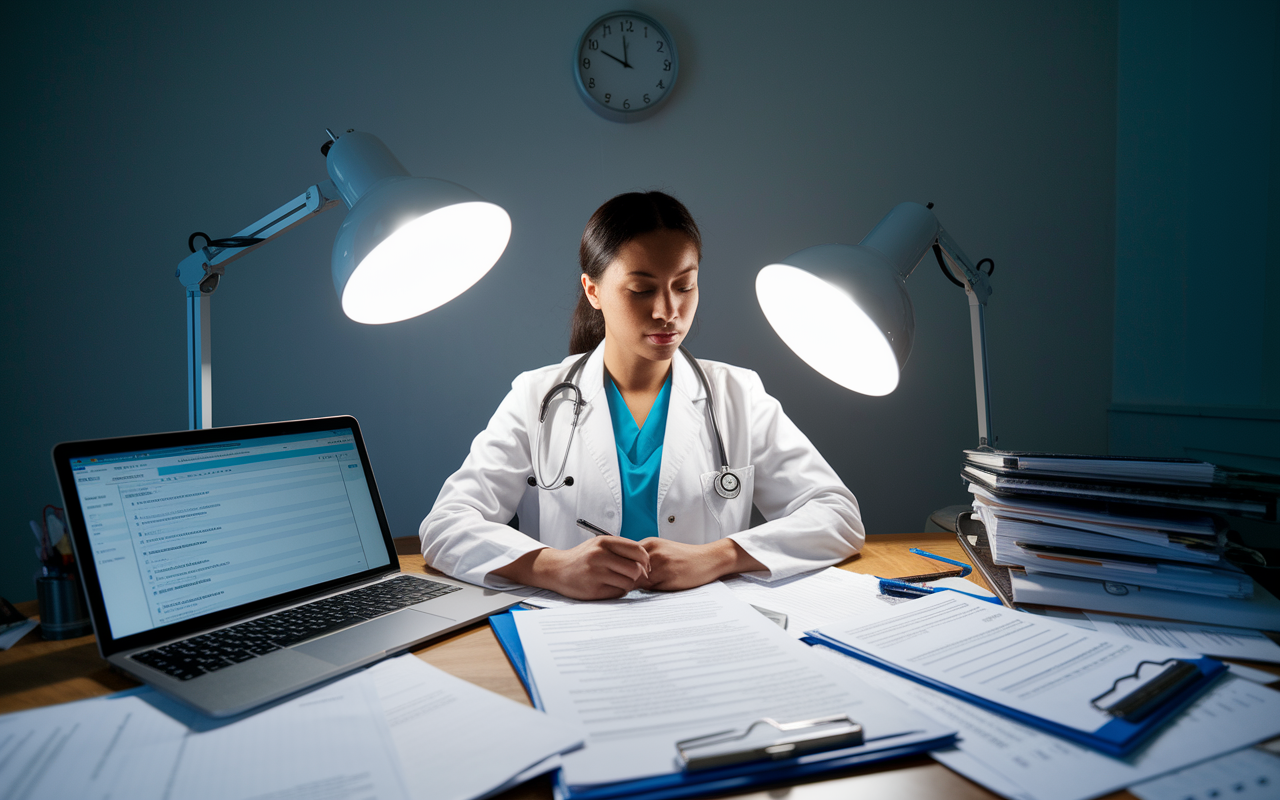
626, 66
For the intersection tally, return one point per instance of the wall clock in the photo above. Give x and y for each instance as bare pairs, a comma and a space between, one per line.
626, 66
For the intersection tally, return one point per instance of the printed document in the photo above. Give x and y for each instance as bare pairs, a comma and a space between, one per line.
1209, 640
332, 742
1027, 763
1020, 661
456, 740
641, 675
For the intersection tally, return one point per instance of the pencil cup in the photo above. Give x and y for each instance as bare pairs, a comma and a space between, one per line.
63, 614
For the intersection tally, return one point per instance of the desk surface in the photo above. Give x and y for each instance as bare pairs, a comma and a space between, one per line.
36, 673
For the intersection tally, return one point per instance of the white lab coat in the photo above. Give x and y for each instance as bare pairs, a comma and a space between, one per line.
812, 519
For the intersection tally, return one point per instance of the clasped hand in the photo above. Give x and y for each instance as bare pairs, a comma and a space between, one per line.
610, 566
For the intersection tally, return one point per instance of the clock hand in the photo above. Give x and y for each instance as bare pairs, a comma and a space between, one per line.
615, 58
626, 62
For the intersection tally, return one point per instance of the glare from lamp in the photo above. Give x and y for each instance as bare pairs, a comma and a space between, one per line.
823, 325
426, 263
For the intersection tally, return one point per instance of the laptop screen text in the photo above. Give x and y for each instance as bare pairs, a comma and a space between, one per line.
188, 531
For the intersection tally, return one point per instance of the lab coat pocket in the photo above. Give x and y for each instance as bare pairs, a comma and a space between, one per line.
730, 516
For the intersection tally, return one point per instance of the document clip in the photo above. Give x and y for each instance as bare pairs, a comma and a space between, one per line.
774, 742
1133, 697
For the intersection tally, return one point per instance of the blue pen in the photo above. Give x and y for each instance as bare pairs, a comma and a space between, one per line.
900, 589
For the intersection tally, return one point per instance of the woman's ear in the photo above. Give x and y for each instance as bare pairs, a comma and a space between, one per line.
591, 290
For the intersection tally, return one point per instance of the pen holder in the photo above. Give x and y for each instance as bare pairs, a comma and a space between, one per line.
63, 612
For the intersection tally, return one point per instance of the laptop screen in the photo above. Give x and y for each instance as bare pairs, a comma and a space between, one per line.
181, 532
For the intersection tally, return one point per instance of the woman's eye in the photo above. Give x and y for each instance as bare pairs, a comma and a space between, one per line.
641, 291
687, 288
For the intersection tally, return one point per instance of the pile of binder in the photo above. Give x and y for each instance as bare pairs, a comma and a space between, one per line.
1140, 522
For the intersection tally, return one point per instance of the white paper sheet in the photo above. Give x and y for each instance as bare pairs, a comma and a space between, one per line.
332, 741
639, 676
456, 740
1243, 775
1210, 640
11, 636
1021, 661
813, 599
997, 751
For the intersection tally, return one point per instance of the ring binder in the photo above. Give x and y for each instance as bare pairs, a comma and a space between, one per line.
723, 749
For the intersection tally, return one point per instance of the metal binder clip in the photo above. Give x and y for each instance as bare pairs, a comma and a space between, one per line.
770, 744
1133, 697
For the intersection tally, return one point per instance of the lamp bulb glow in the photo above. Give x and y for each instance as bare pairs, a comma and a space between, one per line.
426, 263
824, 326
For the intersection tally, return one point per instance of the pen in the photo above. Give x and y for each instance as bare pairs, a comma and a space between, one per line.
594, 529
598, 531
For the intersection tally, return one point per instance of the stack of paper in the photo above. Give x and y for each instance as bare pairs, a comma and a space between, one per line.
640, 676
1037, 670
401, 729
1163, 550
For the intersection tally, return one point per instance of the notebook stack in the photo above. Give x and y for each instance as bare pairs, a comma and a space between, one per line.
1140, 524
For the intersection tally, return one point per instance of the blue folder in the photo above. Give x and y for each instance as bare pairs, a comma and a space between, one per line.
1117, 737
740, 777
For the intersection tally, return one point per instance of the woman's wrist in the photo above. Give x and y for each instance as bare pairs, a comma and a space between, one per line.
735, 559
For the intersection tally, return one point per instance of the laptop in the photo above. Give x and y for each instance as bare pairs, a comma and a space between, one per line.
231, 567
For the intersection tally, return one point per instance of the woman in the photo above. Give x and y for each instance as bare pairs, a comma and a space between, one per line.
642, 461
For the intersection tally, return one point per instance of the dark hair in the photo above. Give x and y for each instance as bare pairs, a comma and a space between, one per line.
614, 224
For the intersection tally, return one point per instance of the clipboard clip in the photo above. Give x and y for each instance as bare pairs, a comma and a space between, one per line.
777, 741
1133, 697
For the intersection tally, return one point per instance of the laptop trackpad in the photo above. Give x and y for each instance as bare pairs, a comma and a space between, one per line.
392, 632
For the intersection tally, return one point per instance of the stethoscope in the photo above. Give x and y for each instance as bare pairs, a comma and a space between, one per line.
726, 482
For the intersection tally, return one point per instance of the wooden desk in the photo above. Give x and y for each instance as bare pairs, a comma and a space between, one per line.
36, 673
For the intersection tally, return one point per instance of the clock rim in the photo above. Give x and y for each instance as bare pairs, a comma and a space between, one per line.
616, 115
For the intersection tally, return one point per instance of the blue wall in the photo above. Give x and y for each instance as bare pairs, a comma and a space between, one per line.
793, 124
1197, 310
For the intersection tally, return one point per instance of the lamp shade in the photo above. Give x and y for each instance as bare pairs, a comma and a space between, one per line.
407, 245
844, 309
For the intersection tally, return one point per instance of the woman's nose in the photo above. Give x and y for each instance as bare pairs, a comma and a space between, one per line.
664, 306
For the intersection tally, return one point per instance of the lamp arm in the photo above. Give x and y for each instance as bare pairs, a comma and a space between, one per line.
200, 274
978, 288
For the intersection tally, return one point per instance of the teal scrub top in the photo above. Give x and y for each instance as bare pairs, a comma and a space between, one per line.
639, 460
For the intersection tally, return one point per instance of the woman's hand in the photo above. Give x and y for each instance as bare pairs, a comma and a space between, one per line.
674, 566
600, 568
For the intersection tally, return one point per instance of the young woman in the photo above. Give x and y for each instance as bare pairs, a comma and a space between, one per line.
661, 454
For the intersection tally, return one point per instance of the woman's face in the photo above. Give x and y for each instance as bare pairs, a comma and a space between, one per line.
648, 294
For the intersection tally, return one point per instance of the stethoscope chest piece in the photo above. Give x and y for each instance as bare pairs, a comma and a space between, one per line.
727, 484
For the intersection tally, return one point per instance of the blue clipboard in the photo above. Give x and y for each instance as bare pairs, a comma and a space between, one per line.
1117, 737
686, 784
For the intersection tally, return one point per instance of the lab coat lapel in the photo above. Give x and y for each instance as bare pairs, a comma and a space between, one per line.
684, 422
596, 427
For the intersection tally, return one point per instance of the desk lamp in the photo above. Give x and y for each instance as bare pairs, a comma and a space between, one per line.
407, 245
846, 312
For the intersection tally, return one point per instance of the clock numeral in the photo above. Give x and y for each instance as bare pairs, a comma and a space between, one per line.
646, 31
607, 97
659, 47
591, 83
593, 44
646, 99
660, 86
608, 29
626, 104
627, 26
586, 63
666, 65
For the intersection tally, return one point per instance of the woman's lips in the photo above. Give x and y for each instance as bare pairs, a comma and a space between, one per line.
662, 338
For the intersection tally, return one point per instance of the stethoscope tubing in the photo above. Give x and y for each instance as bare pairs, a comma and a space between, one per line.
727, 484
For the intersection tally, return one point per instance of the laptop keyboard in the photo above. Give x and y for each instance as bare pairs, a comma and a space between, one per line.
191, 658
